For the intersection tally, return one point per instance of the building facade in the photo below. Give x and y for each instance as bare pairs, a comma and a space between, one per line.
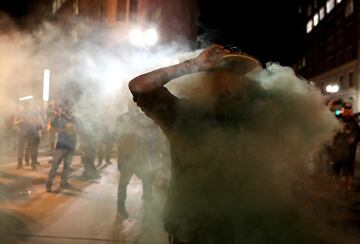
174, 20
329, 50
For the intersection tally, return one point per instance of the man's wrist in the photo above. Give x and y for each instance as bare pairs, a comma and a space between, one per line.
191, 66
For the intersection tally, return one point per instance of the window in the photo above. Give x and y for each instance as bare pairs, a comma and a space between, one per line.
342, 82
309, 26
330, 4
133, 10
121, 10
351, 79
322, 13
349, 8
316, 19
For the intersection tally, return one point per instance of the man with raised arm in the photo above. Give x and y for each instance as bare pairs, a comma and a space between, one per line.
202, 139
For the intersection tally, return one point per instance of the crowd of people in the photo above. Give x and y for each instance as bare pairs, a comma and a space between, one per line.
69, 133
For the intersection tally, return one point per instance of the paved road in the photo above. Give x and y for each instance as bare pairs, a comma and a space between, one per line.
86, 214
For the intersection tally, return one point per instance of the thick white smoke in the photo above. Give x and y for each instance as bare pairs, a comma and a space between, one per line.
255, 171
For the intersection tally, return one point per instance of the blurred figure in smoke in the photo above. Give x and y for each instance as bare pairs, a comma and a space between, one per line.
344, 146
135, 144
52, 115
203, 143
88, 134
24, 121
9, 131
38, 124
105, 142
65, 145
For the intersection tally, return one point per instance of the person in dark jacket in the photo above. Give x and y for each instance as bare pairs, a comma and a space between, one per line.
344, 146
136, 149
202, 142
24, 122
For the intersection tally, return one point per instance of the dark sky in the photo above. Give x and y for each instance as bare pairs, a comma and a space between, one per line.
265, 29
16, 8
262, 28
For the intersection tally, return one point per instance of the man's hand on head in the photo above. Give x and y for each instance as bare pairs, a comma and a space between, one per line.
210, 57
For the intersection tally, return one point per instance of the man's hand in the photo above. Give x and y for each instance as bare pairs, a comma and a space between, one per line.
210, 57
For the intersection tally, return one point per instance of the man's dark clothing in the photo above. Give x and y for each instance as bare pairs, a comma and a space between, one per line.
202, 147
344, 146
26, 137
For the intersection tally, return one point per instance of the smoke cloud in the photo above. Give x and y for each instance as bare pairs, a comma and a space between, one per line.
254, 173
262, 165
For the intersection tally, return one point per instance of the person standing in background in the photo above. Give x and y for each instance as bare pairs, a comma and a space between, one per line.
65, 145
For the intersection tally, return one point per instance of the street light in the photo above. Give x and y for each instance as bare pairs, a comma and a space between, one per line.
143, 38
332, 88
151, 37
136, 37
25, 98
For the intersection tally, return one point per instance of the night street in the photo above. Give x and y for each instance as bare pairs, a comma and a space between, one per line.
180, 122
86, 214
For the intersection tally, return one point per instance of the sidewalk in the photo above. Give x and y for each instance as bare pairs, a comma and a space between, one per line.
18, 181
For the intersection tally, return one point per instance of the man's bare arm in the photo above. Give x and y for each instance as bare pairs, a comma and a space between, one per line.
152, 81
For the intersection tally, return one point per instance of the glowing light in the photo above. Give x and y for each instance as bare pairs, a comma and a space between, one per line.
142, 38
151, 37
322, 13
338, 1
332, 88
136, 37
26, 98
316, 19
46, 85
330, 4
309, 26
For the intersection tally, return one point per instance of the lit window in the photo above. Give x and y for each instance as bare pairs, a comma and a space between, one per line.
322, 13
349, 8
338, 1
316, 19
309, 26
330, 4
